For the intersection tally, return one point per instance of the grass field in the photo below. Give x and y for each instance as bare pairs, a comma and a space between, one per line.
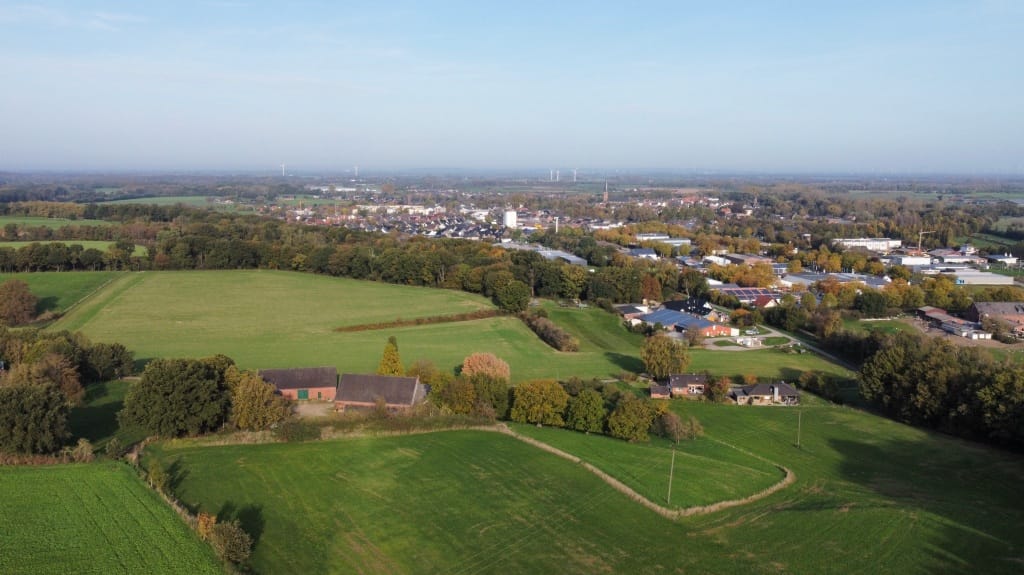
92, 518
705, 471
889, 326
55, 223
59, 291
96, 418
871, 496
268, 319
194, 201
101, 245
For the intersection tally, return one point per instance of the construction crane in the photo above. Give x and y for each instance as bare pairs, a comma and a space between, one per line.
920, 235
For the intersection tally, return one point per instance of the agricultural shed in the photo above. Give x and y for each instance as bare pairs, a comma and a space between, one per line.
359, 390
303, 382
659, 391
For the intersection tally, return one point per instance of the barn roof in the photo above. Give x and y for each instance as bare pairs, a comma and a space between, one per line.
360, 388
301, 377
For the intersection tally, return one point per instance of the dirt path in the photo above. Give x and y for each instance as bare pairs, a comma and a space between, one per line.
666, 512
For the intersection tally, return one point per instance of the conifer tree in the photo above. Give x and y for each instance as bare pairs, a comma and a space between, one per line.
391, 362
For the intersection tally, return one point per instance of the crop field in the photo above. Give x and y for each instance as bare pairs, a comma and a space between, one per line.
59, 291
871, 496
55, 223
92, 518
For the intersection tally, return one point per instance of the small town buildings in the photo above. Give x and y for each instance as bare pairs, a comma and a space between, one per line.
1005, 259
883, 245
697, 306
303, 383
678, 321
745, 295
766, 394
644, 253
980, 278
358, 390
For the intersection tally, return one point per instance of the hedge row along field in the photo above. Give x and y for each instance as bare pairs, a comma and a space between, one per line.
92, 518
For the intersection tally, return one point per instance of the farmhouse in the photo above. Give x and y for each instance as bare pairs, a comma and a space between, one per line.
687, 385
697, 306
686, 322
766, 394
303, 382
358, 390
1009, 312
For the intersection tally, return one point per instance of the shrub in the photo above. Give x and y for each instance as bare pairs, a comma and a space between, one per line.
230, 541
297, 430
551, 334
82, 452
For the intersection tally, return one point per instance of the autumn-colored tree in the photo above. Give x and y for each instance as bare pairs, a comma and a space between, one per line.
390, 361
539, 401
717, 390
631, 420
486, 364
671, 426
51, 369
204, 524
458, 395
663, 356
749, 379
650, 289
254, 403
17, 304
230, 541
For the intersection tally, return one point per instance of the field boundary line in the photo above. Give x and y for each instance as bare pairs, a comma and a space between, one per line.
666, 512
80, 308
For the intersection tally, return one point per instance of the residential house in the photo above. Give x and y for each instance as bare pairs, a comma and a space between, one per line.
358, 390
303, 382
687, 385
697, 306
766, 394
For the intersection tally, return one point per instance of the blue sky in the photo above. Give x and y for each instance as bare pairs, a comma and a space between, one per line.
767, 86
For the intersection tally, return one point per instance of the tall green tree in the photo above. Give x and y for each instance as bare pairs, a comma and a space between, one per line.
176, 397
33, 418
663, 356
391, 361
586, 412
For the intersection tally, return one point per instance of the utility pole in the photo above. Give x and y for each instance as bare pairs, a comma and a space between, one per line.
799, 425
671, 471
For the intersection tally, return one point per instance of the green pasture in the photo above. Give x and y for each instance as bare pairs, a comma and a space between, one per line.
96, 418
268, 319
705, 471
871, 496
92, 518
101, 245
888, 326
59, 291
43, 222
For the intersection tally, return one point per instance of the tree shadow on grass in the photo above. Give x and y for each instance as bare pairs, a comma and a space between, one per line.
249, 517
44, 304
966, 485
625, 362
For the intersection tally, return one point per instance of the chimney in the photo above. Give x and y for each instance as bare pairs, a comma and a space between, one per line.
775, 394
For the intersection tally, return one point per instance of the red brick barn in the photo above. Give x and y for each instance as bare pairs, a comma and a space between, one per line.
302, 383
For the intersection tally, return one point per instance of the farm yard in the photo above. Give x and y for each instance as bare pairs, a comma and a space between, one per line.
870, 496
92, 518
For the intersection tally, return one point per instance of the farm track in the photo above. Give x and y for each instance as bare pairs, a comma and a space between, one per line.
85, 309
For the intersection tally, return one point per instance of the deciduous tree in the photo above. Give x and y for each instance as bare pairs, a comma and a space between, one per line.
17, 304
586, 412
663, 356
631, 420
486, 364
254, 403
33, 418
176, 397
540, 401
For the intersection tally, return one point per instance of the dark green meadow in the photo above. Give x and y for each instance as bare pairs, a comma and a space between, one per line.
871, 496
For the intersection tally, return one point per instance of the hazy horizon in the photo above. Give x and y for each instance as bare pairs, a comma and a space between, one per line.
922, 87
